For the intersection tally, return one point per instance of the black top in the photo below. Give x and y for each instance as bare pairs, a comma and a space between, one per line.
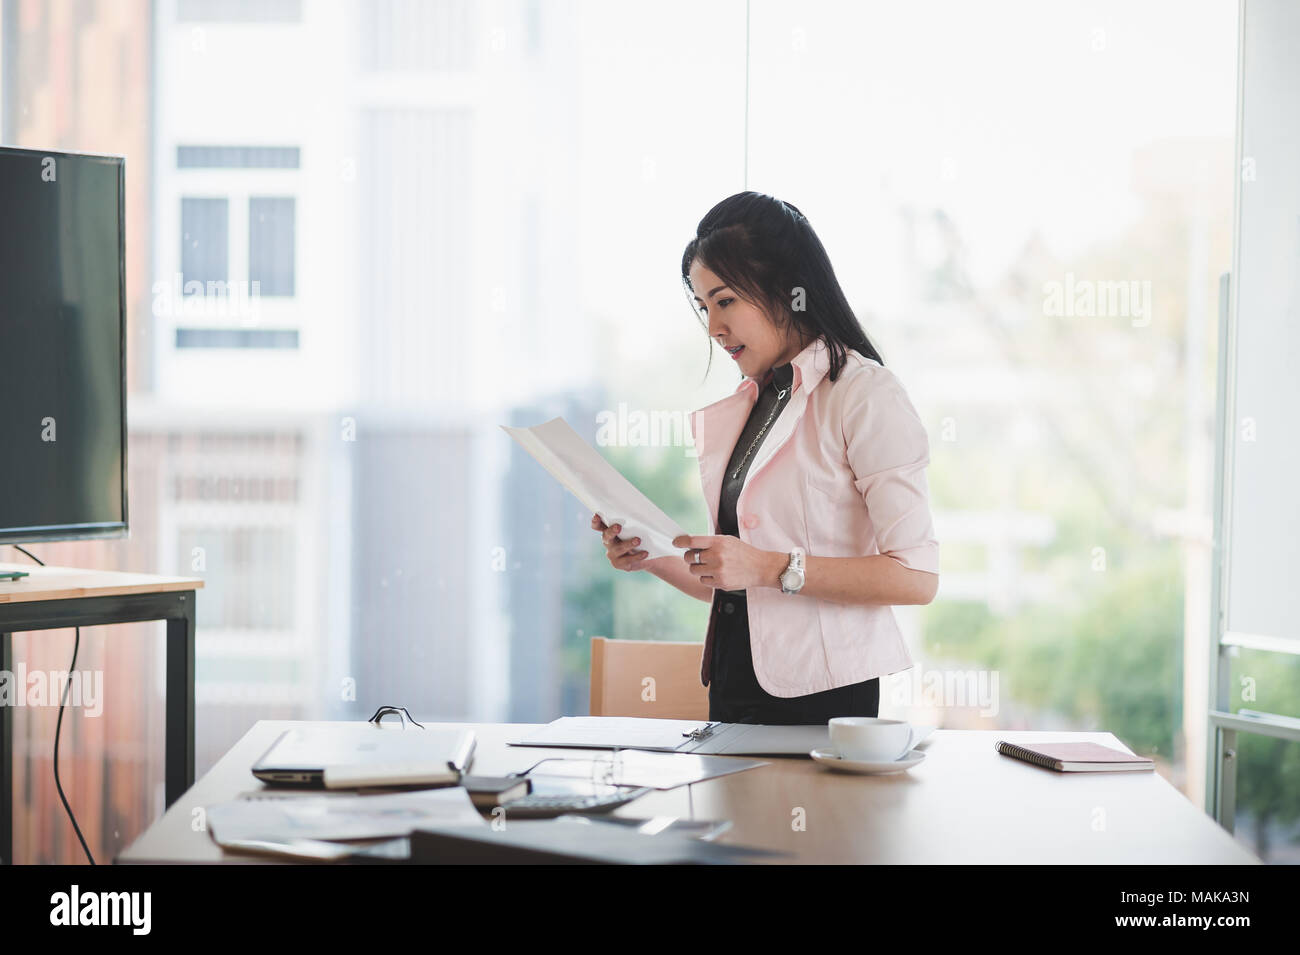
772, 398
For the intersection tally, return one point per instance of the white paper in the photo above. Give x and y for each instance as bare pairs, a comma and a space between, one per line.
340, 817
599, 486
642, 768
624, 732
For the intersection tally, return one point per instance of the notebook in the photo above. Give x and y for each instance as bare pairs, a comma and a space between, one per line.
488, 792
1075, 757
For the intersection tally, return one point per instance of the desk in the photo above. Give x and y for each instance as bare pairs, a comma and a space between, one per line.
56, 597
964, 803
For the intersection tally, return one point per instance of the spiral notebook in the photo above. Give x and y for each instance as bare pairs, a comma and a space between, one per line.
1075, 757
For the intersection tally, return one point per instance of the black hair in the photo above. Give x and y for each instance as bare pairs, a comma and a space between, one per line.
764, 249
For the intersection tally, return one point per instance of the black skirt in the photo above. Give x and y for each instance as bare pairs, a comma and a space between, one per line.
736, 697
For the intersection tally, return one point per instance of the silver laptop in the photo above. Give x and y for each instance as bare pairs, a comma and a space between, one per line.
299, 756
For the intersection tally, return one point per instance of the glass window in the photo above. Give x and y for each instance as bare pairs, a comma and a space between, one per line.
271, 230
205, 241
237, 157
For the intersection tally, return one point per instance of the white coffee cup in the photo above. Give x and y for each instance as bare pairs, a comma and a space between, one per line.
871, 739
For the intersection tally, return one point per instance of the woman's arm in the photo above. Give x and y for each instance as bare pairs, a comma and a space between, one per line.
730, 563
878, 579
673, 570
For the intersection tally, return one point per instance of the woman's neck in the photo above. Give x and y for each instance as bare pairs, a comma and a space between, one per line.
766, 378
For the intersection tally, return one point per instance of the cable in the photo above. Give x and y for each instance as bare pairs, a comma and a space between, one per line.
58, 728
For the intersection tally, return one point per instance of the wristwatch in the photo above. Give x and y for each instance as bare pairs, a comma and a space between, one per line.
793, 577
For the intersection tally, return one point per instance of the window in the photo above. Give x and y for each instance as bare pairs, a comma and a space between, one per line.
239, 11
237, 157
271, 244
237, 338
205, 240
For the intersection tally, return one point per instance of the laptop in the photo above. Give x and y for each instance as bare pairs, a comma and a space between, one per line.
354, 756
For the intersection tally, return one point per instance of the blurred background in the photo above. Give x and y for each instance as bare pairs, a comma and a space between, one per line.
466, 214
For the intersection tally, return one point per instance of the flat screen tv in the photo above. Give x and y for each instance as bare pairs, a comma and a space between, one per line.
62, 346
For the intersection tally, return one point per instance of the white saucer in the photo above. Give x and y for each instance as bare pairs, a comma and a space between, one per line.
833, 760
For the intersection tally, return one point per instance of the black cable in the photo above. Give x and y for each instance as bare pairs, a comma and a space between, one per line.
58, 728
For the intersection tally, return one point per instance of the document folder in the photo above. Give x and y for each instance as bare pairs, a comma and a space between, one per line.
684, 736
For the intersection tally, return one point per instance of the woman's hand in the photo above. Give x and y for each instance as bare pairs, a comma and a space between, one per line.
728, 563
623, 555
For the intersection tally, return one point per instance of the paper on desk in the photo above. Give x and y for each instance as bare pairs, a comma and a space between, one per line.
599, 485
340, 818
631, 767
610, 732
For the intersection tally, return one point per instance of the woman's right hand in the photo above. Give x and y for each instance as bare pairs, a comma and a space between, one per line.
623, 555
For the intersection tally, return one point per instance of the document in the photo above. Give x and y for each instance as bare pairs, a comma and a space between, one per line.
599, 486
610, 732
338, 817
641, 768
685, 736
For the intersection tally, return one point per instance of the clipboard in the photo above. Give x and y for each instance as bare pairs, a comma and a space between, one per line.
685, 736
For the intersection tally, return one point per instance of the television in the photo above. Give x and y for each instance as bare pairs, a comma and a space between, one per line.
62, 346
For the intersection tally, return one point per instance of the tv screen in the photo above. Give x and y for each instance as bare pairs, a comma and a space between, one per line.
62, 346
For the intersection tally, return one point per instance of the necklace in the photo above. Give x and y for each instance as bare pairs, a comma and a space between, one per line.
761, 431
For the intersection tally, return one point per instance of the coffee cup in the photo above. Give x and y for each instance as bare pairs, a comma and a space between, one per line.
870, 739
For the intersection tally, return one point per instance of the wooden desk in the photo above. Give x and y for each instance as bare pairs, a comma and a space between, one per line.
51, 598
964, 803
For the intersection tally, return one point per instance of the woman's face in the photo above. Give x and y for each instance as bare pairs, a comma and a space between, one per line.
733, 323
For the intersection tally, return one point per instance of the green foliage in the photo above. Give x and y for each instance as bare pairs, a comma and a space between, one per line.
1268, 769
1111, 659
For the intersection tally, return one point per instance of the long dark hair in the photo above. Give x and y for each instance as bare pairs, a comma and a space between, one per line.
765, 249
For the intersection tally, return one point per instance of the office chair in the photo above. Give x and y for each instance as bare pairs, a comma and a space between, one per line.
621, 671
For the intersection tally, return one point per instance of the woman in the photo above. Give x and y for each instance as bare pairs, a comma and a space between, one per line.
814, 473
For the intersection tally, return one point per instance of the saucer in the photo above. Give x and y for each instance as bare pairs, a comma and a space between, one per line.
833, 760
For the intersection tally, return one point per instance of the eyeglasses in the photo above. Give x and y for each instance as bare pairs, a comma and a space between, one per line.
606, 769
399, 711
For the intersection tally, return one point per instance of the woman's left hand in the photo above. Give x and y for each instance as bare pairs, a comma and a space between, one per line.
728, 563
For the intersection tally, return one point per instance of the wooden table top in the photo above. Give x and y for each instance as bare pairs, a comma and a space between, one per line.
65, 583
965, 803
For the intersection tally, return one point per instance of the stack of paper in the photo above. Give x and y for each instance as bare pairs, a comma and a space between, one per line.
596, 483
325, 817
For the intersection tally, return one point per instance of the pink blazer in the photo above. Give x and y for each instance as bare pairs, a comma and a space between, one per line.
841, 474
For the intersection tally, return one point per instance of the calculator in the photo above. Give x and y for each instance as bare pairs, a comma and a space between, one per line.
548, 805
